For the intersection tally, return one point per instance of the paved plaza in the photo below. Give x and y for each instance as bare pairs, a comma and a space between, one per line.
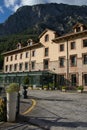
54, 110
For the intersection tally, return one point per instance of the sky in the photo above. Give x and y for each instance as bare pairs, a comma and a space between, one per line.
8, 7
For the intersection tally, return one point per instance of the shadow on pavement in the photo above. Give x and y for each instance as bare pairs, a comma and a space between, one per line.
48, 122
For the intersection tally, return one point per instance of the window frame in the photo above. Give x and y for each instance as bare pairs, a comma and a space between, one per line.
33, 53
61, 47
27, 54
71, 63
84, 46
15, 67
46, 39
44, 66
11, 58
33, 63
84, 62
26, 63
71, 45
61, 66
21, 55
16, 57
10, 67
46, 51
20, 66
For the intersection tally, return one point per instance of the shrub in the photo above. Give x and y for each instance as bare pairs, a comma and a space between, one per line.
45, 87
13, 87
64, 87
80, 88
26, 80
2, 110
51, 85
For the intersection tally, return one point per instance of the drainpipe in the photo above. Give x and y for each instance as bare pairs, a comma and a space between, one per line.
30, 61
67, 73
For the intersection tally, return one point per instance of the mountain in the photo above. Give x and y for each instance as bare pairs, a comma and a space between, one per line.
34, 19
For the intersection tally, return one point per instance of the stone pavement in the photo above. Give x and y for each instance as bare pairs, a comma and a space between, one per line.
22, 122
54, 111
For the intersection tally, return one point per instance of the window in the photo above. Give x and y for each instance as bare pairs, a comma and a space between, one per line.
6, 68
7, 59
84, 58
33, 65
73, 60
73, 80
27, 54
11, 58
15, 57
10, 69
85, 79
20, 66
46, 51
62, 47
73, 45
47, 38
26, 65
21, 56
15, 67
61, 80
61, 61
33, 53
85, 43
46, 64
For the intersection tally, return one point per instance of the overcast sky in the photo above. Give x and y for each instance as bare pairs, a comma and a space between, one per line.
7, 7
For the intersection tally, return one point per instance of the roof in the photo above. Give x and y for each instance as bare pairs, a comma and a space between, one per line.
78, 25
69, 35
45, 32
23, 48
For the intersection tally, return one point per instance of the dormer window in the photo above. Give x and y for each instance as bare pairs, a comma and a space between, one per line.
47, 38
78, 29
30, 42
19, 46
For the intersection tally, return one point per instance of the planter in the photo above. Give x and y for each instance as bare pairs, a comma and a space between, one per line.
79, 91
45, 88
63, 90
11, 106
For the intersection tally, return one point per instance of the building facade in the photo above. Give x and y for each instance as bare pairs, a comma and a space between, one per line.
58, 59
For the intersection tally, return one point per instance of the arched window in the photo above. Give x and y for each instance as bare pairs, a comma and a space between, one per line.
46, 38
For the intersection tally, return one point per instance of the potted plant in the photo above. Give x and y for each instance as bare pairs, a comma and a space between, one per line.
80, 89
45, 87
51, 86
64, 88
12, 95
25, 86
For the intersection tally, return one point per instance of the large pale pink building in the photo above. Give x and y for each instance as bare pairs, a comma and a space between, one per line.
61, 60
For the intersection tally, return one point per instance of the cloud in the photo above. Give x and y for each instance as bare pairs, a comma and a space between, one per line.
15, 4
12, 4
1, 10
9, 3
71, 2
33, 2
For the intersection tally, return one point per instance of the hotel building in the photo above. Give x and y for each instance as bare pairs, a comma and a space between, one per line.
61, 60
